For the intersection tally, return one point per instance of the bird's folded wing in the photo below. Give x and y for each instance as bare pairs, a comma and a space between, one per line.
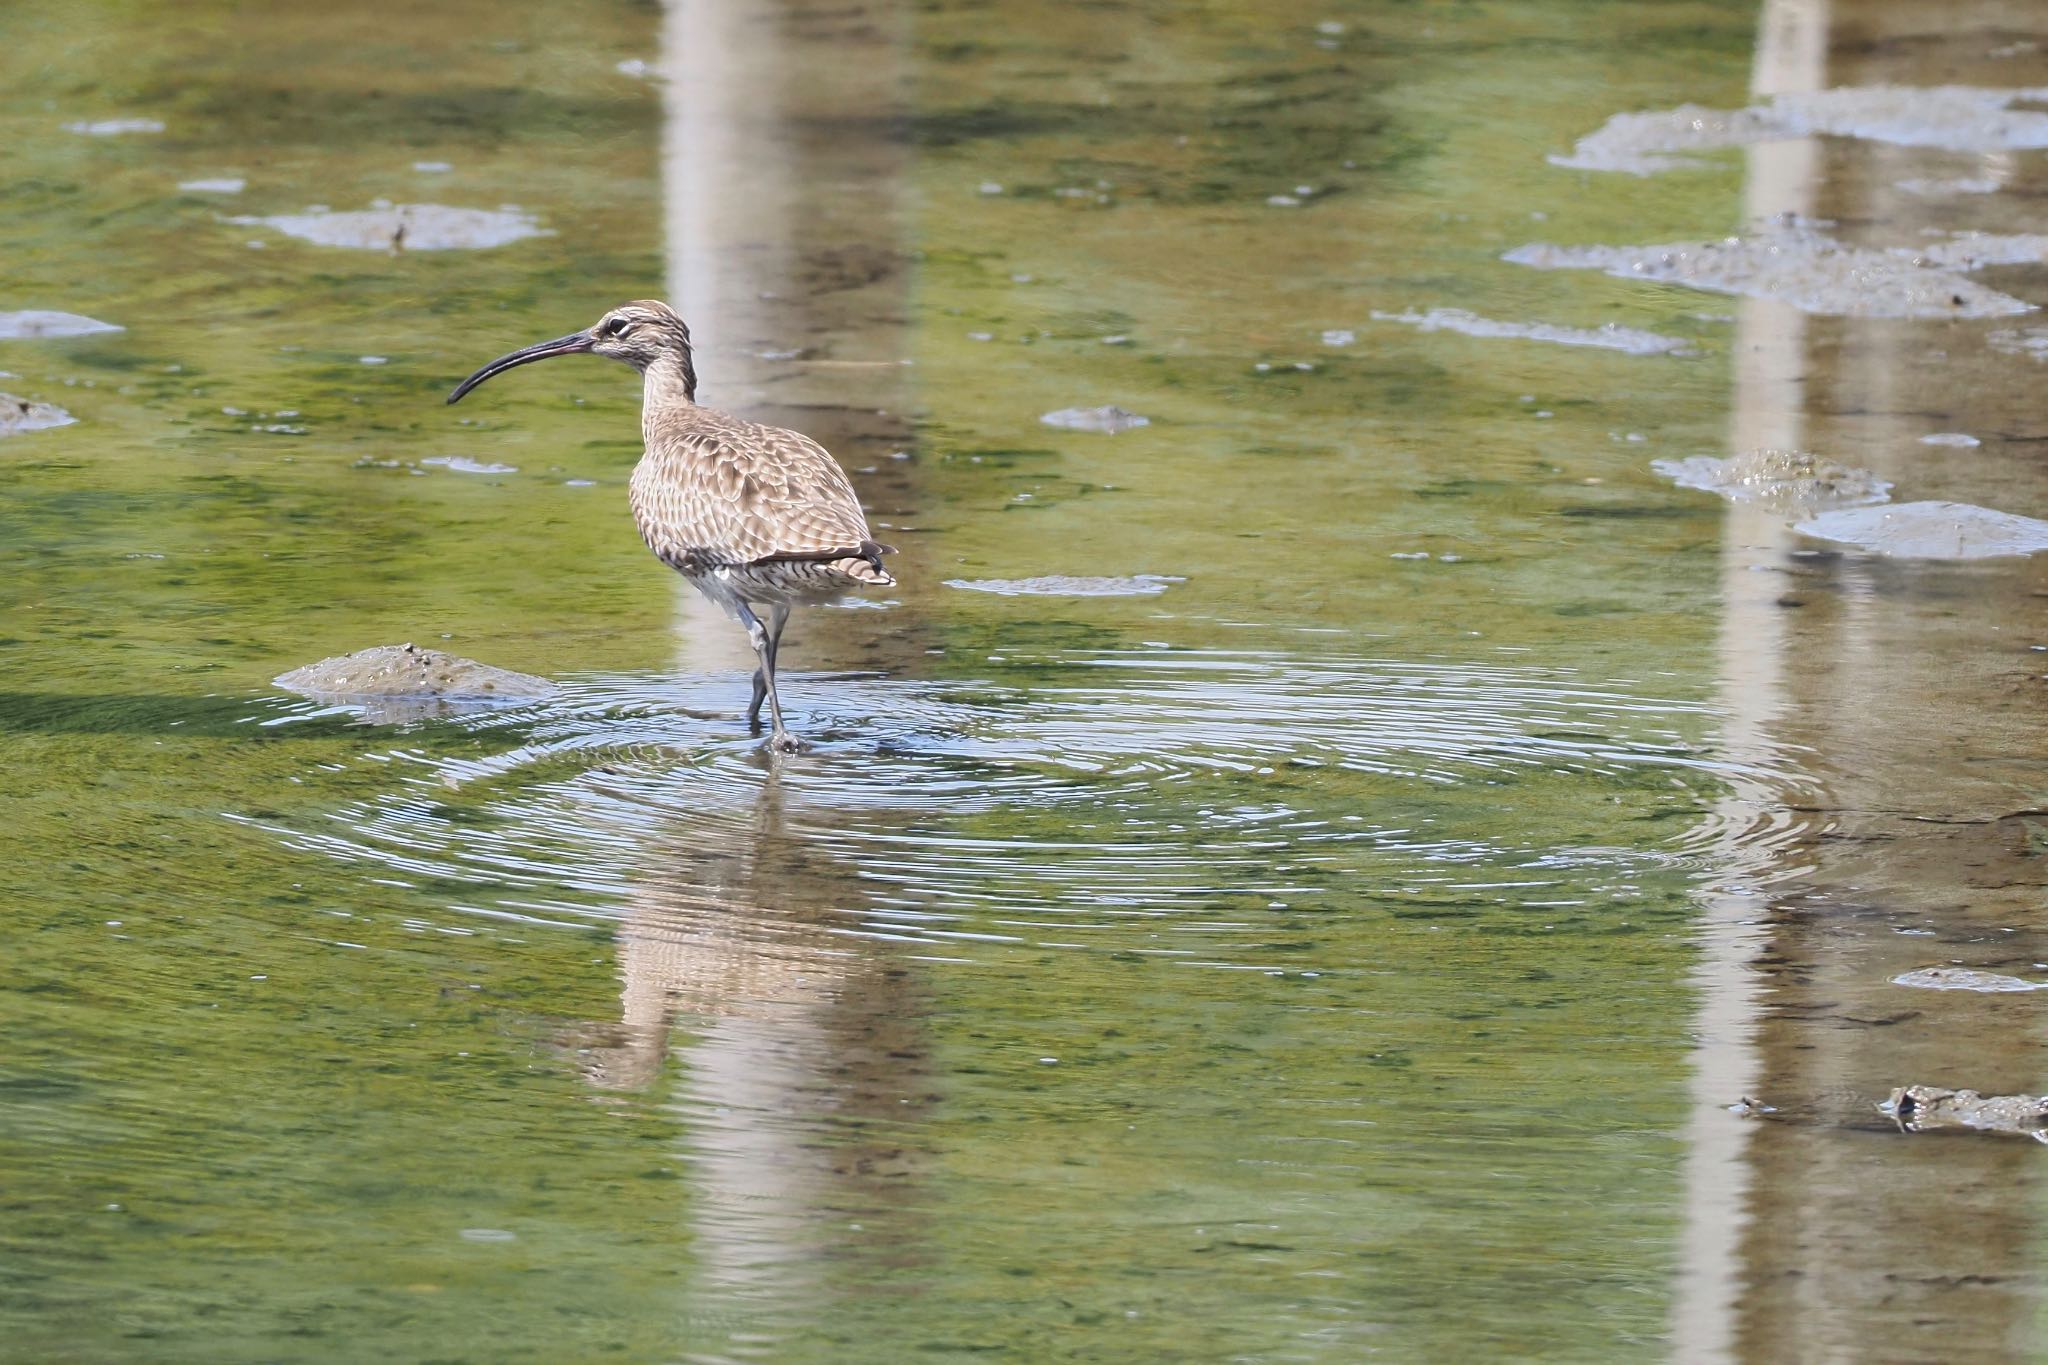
740, 494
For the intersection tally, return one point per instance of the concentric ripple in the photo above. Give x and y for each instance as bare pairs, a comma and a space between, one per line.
1156, 801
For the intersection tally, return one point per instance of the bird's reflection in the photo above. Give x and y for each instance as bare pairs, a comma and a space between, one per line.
802, 1060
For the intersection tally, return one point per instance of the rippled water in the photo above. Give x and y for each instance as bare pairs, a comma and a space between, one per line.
1357, 864
1137, 783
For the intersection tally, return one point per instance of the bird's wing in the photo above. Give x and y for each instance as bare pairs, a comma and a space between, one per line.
736, 492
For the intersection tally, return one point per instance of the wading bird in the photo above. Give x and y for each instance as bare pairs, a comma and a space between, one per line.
757, 518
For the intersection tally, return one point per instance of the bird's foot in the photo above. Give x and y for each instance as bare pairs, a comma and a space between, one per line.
783, 742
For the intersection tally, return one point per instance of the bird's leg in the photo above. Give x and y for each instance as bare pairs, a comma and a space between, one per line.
778, 617
764, 642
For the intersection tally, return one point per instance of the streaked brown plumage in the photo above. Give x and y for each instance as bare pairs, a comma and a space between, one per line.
754, 516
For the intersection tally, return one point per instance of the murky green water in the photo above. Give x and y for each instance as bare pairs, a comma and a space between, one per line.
1326, 957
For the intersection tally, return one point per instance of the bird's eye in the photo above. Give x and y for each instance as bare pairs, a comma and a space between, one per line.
614, 327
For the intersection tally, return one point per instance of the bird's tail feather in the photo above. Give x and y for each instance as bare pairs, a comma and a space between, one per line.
866, 571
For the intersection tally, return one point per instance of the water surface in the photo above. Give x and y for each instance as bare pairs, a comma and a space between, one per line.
1348, 942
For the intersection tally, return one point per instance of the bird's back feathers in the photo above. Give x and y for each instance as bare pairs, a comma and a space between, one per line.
713, 490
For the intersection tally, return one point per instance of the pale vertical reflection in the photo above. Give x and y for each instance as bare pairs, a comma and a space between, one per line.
1767, 412
779, 159
720, 176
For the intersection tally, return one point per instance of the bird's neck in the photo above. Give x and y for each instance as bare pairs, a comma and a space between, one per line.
671, 381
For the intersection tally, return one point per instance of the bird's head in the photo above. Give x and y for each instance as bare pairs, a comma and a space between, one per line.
644, 333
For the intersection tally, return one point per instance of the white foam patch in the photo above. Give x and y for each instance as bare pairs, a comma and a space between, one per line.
1795, 262
1947, 189
462, 464
1110, 418
2026, 341
1966, 979
1956, 118
115, 127
1607, 337
1067, 585
41, 322
405, 227
1931, 530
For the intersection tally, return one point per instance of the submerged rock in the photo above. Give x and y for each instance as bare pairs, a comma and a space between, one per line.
1931, 530
394, 683
19, 414
1607, 336
1109, 418
1794, 262
1067, 585
42, 322
405, 227
1788, 481
1955, 118
1926, 1108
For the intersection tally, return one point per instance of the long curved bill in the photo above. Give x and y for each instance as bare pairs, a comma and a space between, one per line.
573, 344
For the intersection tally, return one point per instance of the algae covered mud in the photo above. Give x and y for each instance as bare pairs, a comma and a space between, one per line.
1422, 847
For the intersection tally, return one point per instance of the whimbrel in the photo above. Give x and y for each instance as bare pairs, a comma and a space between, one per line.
759, 519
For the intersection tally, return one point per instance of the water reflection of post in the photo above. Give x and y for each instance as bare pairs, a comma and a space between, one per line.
784, 174
806, 1055
1766, 413
1806, 1240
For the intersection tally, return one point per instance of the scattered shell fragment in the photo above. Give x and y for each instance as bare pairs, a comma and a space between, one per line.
1787, 481
20, 414
1607, 336
1931, 530
41, 322
1066, 585
1109, 418
406, 227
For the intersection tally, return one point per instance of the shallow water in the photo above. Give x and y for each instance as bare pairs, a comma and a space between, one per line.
1326, 888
